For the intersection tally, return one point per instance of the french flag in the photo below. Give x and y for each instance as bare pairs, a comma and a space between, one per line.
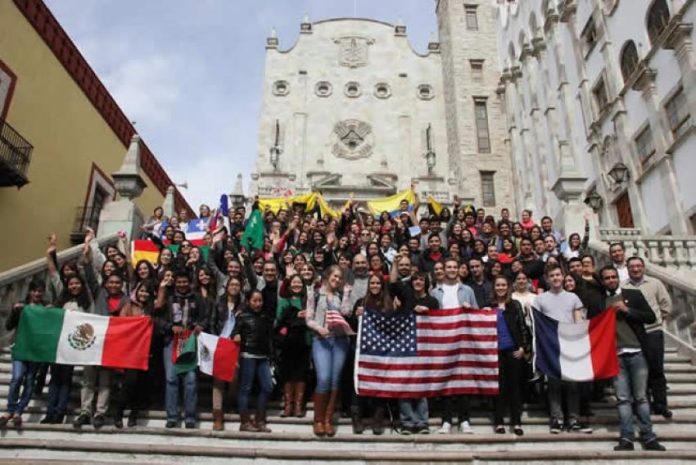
583, 351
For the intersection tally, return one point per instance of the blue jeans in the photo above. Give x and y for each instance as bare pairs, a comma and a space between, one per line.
250, 368
413, 412
23, 374
329, 354
171, 393
631, 385
59, 389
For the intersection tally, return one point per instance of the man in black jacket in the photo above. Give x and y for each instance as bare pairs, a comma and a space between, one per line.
632, 312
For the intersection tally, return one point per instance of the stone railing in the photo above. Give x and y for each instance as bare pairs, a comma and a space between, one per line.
15, 282
673, 252
680, 327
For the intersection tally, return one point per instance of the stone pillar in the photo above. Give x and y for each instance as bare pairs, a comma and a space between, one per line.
123, 214
168, 204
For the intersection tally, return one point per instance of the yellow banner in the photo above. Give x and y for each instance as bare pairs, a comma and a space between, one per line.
391, 204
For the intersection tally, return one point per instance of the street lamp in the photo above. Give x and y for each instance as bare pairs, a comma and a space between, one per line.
430, 158
276, 150
619, 173
594, 201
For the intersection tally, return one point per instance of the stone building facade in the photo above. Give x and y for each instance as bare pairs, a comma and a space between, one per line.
599, 96
352, 108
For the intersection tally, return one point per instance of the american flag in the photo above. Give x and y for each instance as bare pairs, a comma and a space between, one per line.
336, 323
443, 352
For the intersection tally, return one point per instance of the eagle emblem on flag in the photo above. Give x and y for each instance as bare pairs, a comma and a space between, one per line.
82, 338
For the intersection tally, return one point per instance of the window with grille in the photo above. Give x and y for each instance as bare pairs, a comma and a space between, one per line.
644, 144
600, 95
658, 18
678, 114
629, 60
471, 17
482, 135
488, 188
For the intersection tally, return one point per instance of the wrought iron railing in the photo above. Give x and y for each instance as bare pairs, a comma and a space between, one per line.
85, 217
15, 153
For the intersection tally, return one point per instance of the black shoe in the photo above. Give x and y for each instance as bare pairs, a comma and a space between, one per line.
422, 429
4, 420
47, 420
171, 424
406, 430
666, 414
98, 421
500, 429
624, 445
58, 419
118, 421
518, 430
133, 418
556, 427
654, 446
81, 420
190, 424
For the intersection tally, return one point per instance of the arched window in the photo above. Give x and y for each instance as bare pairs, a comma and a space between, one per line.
657, 19
629, 59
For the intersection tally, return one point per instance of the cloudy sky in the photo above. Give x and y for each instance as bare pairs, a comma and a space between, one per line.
190, 72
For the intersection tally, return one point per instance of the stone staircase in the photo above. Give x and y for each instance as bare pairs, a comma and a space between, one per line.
293, 442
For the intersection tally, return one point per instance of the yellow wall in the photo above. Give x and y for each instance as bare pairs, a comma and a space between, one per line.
68, 134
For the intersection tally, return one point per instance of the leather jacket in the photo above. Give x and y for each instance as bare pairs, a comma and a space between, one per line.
514, 317
255, 329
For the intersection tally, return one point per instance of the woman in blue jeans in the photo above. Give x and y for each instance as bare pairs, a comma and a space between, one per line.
325, 316
23, 373
253, 331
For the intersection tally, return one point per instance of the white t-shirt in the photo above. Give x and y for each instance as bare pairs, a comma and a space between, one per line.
450, 298
560, 306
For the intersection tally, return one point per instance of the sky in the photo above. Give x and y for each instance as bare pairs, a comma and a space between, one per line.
190, 73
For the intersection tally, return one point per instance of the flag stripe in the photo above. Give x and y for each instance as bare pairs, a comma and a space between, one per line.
225, 359
603, 341
475, 327
437, 363
546, 346
127, 342
38, 324
574, 354
427, 391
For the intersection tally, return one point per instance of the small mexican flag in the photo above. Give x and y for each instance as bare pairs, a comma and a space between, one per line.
184, 352
55, 335
217, 356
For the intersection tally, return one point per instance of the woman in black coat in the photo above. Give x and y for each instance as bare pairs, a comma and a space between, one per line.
514, 345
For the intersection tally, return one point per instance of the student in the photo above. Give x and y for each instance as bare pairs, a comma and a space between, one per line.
75, 297
514, 344
141, 302
23, 373
294, 342
632, 313
453, 294
96, 380
253, 332
330, 345
565, 307
177, 316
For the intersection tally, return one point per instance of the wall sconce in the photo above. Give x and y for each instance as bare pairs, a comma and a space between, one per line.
619, 173
594, 201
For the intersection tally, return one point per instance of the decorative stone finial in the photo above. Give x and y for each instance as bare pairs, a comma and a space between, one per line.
272, 40
237, 195
400, 28
127, 180
433, 44
306, 26
168, 204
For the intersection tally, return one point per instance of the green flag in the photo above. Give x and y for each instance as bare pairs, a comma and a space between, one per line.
203, 248
187, 359
253, 233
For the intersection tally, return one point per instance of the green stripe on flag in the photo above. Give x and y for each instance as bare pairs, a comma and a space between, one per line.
188, 358
38, 334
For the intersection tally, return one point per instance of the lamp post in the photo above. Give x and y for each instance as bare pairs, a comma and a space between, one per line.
594, 201
619, 173
430, 157
275, 151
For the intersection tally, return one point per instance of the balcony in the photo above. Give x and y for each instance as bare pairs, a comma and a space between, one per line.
84, 218
15, 154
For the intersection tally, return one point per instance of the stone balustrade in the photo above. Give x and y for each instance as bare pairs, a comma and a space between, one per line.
674, 252
15, 282
681, 324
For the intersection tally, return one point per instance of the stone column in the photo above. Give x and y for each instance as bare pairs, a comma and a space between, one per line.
123, 214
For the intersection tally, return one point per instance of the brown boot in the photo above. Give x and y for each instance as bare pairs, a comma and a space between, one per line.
328, 418
245, 423
289, 397
260, 422
218, 420
300, 411
320, 401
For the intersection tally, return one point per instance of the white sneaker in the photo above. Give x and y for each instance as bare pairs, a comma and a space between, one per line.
465, 428
446, 428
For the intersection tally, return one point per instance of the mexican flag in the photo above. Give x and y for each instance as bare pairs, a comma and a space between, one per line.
55, 335
217, 356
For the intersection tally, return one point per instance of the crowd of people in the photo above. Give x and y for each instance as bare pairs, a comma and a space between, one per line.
294, 305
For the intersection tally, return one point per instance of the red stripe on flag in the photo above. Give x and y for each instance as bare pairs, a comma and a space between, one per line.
425, 379
461, 311
428, 366
605, 362
446, 353
225, 359
427, 393
127, 342
457, 338
455, 324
